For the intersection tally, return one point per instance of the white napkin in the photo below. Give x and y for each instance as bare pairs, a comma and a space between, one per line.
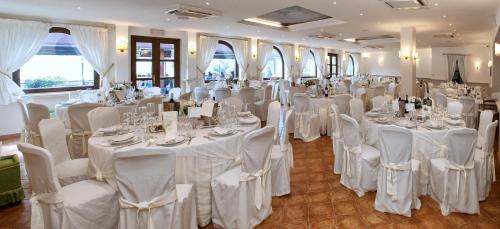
244, 113
247, 120
221, 131
170, 122
108, 130
395, 105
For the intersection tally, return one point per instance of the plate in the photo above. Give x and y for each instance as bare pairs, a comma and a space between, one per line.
214, 133
382, 120
176, 140
372, 114
121, 139
435, 125
248, 120
406, 124
376, 110
244, 114
112, 130
454, 122
455, 117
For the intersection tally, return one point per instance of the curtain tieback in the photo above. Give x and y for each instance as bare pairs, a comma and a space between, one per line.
160, 201
107, 70
260, 184
391, 179
199, 70
5, 74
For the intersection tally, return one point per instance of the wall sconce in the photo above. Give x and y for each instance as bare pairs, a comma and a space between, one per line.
405, 53
192, 51
380, 60
415, 55
365, 55
254, 56
477, 66
121, 44
497, 49
490, 64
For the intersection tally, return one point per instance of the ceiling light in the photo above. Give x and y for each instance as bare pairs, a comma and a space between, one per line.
361, 14
353, 40
450, 24
444, 16
207, 3
334, 2
436, 4
264, 22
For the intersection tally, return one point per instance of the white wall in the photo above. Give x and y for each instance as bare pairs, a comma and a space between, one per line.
380, 63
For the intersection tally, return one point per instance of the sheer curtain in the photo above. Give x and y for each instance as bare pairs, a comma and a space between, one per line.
319, 56
240, 48
207, 47
452, 61
264, 51
20, 40
93, 43
304, 53
287, 51
345, 63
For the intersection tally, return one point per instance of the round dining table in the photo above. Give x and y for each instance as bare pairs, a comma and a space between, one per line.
197, 161
428, 143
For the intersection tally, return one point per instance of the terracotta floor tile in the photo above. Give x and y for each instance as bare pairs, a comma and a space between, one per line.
295, 200
322, 224
341, 194
295, 213
350, 222
345, 208
318, 197
321, 186
295, 225
320, 211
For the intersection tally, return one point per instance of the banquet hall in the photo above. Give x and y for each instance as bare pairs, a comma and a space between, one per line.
249, 114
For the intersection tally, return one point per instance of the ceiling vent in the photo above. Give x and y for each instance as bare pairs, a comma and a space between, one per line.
323, 36
191, 12
445, 35
406, 4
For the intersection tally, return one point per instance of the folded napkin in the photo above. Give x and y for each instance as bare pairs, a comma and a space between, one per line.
124, 137
244, 113
107, 130
221, 131
247, 120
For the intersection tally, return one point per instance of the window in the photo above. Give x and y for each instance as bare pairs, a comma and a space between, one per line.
351, 71
275, 66
332, 64
223, 65
155, 62
310, 70
58, 66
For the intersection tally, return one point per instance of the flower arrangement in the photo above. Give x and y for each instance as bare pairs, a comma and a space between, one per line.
186, 106
309, 83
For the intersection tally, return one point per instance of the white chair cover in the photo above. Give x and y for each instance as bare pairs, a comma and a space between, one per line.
342, 102
284, 91
242, 195
293, 91
176, 92
485, 119
222, 93
357, 109
441, 100
342, 89
185, 96
152, 91
200, 94
455, 108
469, 111
361, 161
273, 117
247, 96
276, 88
453, 180
54, 141
378, 102
261, 106
484, 163
84, 204
398, 175
80, 128
102, 117
281, 162
36, 112
155, 202
157, 100
306, 124
337, 140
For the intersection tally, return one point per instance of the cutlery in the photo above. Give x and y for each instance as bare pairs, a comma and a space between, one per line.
209, 138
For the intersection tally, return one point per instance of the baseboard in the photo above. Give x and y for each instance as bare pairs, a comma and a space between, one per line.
10, 137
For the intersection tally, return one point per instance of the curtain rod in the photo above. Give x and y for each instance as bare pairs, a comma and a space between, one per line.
223, 37
56, 22
455, 54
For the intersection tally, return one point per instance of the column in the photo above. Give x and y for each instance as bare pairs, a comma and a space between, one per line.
408, 63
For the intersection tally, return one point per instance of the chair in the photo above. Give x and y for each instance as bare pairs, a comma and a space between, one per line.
54, 141
102, 117
176, 92
342, 102
273, 117
222, 93
360, 161
453, 179
455, 108
357, 109
185, 96
469, 111
242, 195
484, 162
247, 96
36, 112
379, 91
152, 91
441, 100
293, 91
200, 94
485, 119
80, 128
157, 100
342, 89
284, 91
337, 140
398, 177
261, 106
155, 202
282, 161
378, 102
306, 124
84, 204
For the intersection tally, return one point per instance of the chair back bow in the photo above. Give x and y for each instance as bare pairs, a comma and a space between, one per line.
347, 158
164, 199
259, 185
392, 178
461, 170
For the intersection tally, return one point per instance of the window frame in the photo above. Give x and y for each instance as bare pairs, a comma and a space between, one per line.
155, 59
315, 69
16, 76
237, 66
331, 64
282, 64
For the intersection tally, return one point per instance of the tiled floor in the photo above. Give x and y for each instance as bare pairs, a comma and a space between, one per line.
319, 201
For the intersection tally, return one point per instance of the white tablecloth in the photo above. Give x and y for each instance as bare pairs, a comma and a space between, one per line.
197, 163
259, 93
322, 106
427, 145
61, 111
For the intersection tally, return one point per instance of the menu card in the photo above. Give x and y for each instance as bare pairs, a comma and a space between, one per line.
207, 108
170, 122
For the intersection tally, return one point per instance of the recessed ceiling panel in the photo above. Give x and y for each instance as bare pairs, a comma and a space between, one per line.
294, 15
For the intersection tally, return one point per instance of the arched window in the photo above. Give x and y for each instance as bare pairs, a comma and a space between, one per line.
351, 71
223, 65
58, 66
275, 65
310, 71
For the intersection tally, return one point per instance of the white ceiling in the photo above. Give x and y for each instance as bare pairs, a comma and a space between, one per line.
473, 20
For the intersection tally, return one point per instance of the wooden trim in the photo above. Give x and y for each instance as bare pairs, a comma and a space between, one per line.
10, 137
155, 59
330, 55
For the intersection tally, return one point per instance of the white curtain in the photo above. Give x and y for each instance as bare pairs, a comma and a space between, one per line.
20, 40
345, 63
287, 51
241, 52
319, 57
207, 47
264, 51
304, 53
452, 61
93, 44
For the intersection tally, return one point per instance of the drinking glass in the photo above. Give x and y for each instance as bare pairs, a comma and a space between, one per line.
151, 109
